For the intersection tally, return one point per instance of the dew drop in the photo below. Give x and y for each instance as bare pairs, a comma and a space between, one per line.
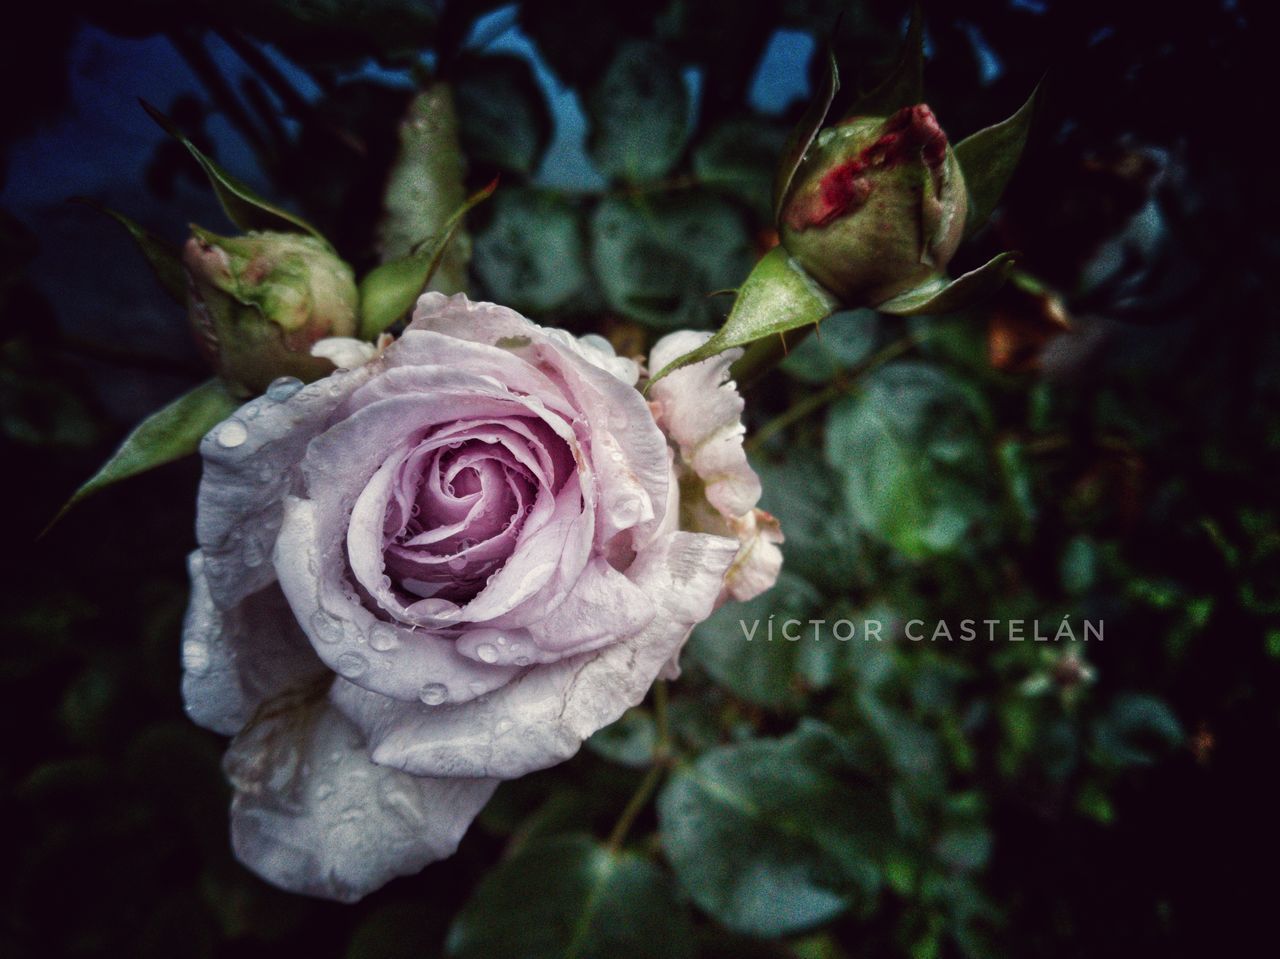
282, 388
487, 653
382, 638
231, 434
502, 727
433, 694
325, 628
476, 687
352, 665
521, 660
627, 510
254, 555
324, 791
195, 658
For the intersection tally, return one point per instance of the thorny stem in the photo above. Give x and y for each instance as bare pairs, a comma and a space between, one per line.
640, 799
840, 386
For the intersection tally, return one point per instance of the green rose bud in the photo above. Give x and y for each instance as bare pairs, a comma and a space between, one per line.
877, 206
259, 302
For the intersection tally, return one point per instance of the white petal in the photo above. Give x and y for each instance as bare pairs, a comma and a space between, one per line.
542, 716
756, 567
699, 408
250, 463
234, 660
344, 352
312, 814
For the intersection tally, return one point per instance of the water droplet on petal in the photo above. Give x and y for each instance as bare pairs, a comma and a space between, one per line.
627, 510
487, 653
476, 687
382, 638
502, 727
325, 628
433, 694
282, 388
522, 660
352, 665
254, 555
195, 657
231, 434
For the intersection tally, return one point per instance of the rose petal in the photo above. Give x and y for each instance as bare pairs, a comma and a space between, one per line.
756, 567
625, 442
698, 406
480, 322
396, 660
312, 814
234, 660
541, 717
250, 463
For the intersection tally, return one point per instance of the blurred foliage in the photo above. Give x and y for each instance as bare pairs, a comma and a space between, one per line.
825, 797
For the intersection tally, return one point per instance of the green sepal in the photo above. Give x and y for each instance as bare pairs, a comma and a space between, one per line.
166, 435
389, 291
988, 158
802, 136
243, 206
904, 86
945, 295
778, 296
164, 260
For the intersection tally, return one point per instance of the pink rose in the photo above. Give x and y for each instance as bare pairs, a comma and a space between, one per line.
448, 567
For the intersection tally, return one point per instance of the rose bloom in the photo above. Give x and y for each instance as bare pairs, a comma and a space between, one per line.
447, 567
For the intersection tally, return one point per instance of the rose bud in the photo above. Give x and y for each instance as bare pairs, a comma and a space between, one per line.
260, 302
877, 206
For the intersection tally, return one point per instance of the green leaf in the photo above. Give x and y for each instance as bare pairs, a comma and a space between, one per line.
503, 118
742, 646
425, 186
164, 260
164, 436
397, 930
945, 295
389, 291
638, 115
567, 897
629, 742
243, 206
774, 836
1136, 731
659, 257
988, 158
738, 157
803, 493
904, 85
802, 136
911, 448
778, 296
842, 340
530, 256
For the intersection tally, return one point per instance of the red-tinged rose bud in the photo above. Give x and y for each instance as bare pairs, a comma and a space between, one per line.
877, 206
259, 302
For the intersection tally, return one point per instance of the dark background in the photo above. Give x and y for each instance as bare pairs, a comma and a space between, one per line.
1125, 813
